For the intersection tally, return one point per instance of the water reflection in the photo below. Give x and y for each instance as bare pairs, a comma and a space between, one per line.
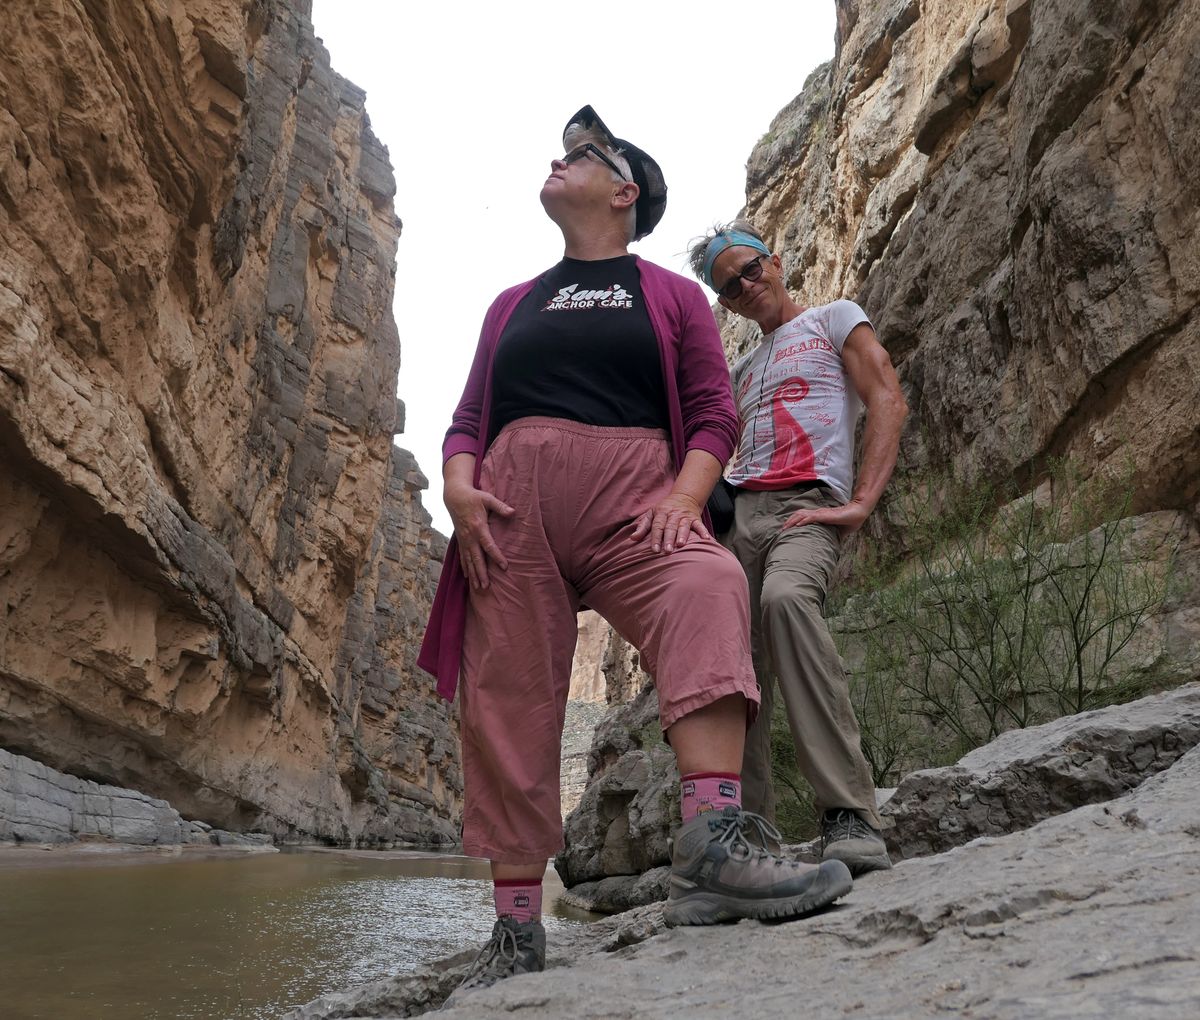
243, 937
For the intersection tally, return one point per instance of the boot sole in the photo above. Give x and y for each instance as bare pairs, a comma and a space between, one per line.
831, 882
860, 864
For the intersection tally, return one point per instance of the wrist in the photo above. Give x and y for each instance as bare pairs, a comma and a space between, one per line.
454, 492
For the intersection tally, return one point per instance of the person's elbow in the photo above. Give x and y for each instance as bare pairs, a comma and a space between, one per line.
886, 399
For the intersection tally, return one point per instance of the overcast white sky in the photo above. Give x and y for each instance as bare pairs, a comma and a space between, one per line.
471, 100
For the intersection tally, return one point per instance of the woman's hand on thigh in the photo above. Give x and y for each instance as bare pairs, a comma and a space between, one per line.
469, 509
671, 523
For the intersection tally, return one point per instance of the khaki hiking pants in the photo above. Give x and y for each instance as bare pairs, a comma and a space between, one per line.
789, 572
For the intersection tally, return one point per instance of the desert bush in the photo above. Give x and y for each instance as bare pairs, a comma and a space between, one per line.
1005, 610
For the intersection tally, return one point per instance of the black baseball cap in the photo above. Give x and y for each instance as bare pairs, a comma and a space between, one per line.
652, 189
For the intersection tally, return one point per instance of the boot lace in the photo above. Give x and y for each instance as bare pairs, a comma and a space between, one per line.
497, 957
843, 824
733, 827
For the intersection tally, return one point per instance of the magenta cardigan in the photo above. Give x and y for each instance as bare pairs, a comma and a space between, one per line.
699, 403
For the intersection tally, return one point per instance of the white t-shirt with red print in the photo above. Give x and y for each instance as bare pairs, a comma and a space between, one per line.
796, 406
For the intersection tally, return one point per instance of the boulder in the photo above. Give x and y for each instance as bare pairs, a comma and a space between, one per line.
620, 892
1024, 776
631, 804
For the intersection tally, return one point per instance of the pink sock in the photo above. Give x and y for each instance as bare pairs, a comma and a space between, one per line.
708, 791
519, 898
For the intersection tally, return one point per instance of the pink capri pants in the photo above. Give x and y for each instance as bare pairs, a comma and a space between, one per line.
577, 491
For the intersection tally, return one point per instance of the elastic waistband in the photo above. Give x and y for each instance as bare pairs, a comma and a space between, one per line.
578, 428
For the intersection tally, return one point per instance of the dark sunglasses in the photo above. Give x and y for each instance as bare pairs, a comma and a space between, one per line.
751, 271
584, 149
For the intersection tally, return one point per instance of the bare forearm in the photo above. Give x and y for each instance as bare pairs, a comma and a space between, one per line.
470, 509
671, 523
697, 476
458, 470
881, 445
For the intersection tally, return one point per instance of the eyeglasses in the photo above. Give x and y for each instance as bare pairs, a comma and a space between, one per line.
751, 271
584, 149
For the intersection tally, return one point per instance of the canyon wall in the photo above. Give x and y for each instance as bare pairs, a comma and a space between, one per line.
214, 562
1008, 187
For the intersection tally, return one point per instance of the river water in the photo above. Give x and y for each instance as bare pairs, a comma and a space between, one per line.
149, 935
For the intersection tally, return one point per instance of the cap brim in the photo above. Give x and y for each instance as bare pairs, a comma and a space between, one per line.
585, 126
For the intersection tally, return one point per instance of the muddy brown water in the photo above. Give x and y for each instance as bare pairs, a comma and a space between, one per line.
99, 935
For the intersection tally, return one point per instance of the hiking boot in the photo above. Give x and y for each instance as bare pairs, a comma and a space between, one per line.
846, 837
717, 874
516, 947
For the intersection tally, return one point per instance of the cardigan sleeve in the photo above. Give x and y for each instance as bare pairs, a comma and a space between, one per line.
463, 434
705, 395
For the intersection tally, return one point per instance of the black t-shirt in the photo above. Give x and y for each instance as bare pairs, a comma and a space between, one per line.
580, 346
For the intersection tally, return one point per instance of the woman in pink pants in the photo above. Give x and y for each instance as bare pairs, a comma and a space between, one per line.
595, 421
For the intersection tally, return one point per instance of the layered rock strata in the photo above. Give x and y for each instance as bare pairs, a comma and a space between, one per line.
587, 666
202, 595
579, 729
43, 806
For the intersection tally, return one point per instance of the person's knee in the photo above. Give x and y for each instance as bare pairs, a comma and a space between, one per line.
712, 581
787, 600
729, 573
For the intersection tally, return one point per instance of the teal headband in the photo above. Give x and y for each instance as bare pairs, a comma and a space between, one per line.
728, 239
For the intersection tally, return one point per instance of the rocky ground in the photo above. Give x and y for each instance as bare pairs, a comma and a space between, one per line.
1092, 912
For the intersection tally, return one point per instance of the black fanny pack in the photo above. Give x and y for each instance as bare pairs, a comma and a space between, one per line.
720, 506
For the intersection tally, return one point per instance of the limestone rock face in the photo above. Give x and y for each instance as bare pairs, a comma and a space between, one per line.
202, 595
1008, 188
587, 667
605, 671
1024, 776
578, 729
40, 805
624, 678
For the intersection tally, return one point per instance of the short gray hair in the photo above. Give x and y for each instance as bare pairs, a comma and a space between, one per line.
627, 170
575, 136
698, 249
616, 156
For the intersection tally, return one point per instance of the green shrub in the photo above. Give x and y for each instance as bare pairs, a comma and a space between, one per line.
1005, 610
1012, 610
